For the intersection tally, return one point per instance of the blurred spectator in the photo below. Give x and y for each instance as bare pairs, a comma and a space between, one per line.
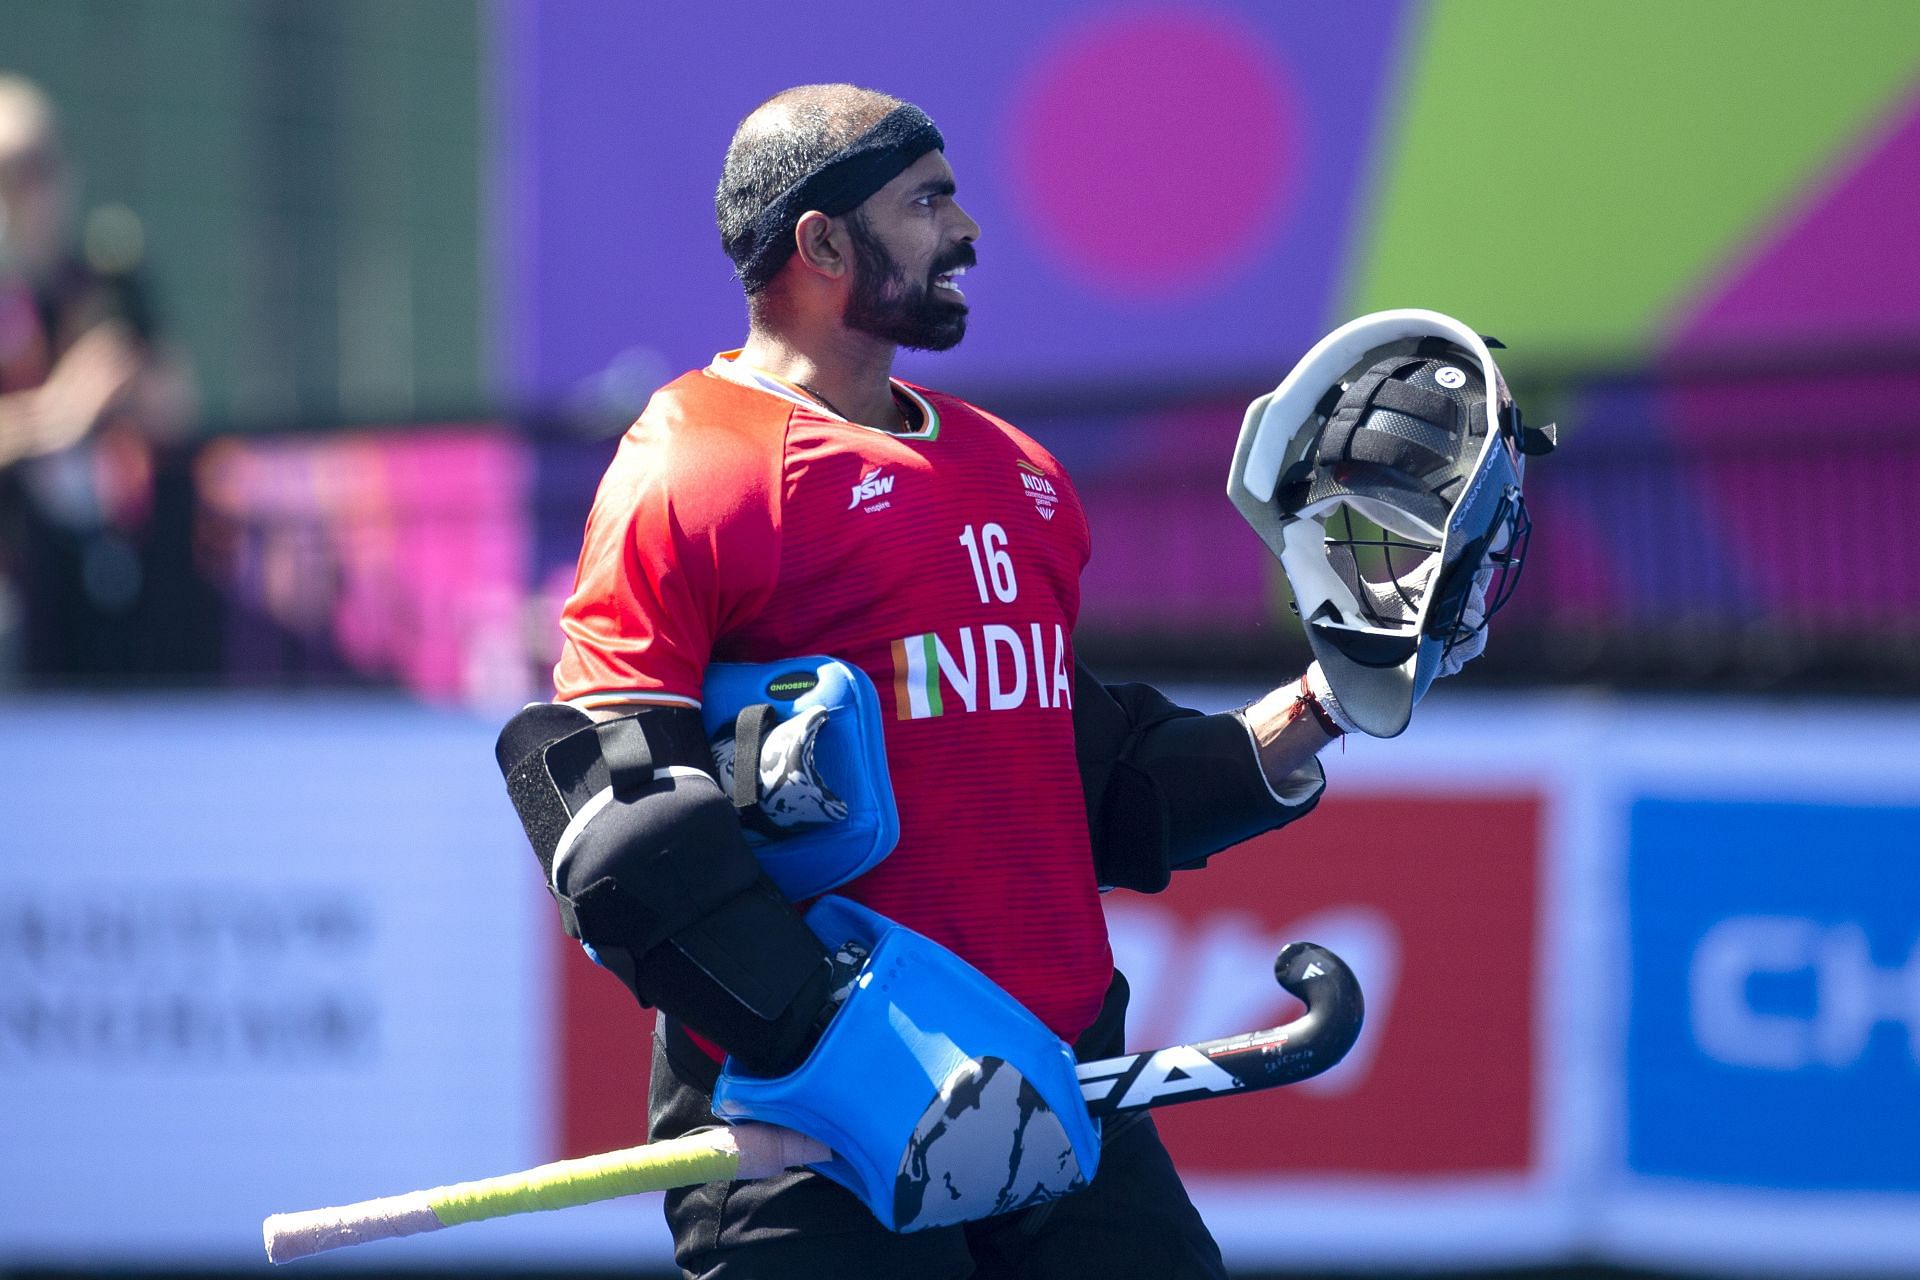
85, 397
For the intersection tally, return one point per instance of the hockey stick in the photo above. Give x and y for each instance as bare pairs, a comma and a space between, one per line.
1288, 1054
711, 1155
1130, 1083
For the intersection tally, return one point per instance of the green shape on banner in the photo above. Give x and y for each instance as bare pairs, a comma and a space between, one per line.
1568, 176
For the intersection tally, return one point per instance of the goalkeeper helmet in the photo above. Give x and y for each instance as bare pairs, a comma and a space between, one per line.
1384, 472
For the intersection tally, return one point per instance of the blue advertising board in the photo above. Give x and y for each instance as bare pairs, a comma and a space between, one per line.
1774, 1038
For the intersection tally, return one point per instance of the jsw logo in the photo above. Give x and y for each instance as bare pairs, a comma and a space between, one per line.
1189, 979
872, 485
1851, 994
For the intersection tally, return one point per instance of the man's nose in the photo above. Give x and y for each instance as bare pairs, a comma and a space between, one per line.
969, 229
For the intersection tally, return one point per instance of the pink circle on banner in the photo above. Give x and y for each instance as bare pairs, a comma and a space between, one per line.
1153, 151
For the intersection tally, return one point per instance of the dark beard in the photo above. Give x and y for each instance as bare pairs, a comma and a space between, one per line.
885, 304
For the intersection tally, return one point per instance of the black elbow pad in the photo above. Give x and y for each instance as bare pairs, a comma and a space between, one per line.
1216, 795
645, 857
1166, 787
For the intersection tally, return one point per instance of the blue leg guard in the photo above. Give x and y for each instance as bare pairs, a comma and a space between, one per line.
943, 1099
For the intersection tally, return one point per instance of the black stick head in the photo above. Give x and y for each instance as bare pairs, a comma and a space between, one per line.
1321, 980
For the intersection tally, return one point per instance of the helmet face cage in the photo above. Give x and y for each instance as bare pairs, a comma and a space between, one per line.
1391, 573
1505, 557
1390, 569
1509, 555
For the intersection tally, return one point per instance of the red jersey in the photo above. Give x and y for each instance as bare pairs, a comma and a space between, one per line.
742, 522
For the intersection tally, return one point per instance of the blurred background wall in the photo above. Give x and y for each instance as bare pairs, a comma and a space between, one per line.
308, 180
347, 302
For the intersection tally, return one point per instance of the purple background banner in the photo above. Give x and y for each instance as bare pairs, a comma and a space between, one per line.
1165, 191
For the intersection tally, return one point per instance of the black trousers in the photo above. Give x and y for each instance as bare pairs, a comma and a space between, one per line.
1134, 1220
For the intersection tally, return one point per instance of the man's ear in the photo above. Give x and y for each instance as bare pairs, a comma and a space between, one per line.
821, 245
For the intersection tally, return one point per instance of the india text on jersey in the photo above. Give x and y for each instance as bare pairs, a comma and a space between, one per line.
1000, 669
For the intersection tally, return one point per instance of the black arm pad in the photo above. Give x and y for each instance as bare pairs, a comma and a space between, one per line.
667, 893
646, 858
692, 980
1166, 787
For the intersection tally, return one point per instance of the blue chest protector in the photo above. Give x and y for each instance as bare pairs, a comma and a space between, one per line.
829, 816
943, 1099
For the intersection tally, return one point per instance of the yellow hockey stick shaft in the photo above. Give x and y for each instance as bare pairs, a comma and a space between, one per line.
746, 1151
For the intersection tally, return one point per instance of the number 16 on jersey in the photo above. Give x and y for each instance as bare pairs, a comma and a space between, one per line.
992, 566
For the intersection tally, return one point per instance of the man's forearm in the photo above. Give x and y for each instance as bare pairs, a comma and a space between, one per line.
1289, 728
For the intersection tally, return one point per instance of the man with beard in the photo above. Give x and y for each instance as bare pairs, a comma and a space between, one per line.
794, 498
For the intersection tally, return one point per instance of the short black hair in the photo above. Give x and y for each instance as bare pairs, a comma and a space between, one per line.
780, 142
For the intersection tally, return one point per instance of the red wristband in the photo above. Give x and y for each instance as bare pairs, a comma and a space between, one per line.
1320, 715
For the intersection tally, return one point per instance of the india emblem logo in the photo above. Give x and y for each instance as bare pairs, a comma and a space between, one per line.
1045, 497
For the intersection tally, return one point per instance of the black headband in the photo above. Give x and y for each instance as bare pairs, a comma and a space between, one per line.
839, 185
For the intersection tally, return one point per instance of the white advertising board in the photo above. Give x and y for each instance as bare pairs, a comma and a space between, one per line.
257, 955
